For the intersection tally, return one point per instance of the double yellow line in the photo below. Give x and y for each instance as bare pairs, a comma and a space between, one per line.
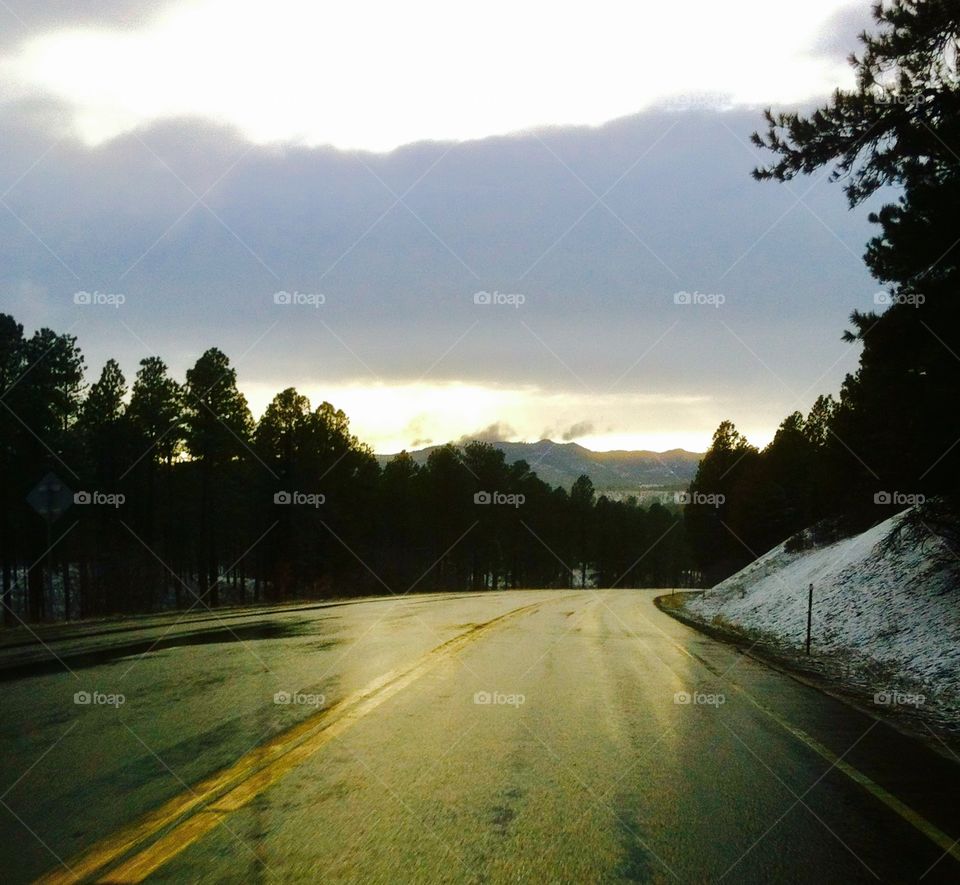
189, 816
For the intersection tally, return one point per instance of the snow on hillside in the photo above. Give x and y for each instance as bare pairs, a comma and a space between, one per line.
890, 613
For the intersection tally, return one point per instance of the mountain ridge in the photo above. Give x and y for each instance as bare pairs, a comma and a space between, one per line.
560, 463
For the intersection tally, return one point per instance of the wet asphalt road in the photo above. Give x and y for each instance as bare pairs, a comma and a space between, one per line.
519, 736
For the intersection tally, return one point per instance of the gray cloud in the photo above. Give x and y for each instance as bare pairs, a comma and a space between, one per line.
496, 215
23, 19
499, 431
581, 428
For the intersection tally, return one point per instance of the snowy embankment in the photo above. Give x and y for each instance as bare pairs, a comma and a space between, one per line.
886, 613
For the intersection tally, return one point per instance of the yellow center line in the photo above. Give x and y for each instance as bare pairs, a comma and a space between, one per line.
210, 801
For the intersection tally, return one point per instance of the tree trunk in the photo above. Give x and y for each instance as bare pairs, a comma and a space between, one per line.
8, 618
35, 584
66, 588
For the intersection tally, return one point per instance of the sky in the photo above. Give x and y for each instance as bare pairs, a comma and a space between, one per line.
446, 219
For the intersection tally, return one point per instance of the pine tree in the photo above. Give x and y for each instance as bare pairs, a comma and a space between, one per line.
899, 126
218, 428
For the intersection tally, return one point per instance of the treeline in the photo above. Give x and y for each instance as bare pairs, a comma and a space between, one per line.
176, 497
892, 438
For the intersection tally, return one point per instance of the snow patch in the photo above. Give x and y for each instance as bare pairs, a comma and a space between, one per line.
889, 611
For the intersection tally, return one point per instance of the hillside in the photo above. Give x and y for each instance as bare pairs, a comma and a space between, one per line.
885, 614
560, 464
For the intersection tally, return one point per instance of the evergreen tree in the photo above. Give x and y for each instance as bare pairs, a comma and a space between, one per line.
218, 427
581, 516
727, 467
12, 366
45, 405
156, 411
103, 434
898, 127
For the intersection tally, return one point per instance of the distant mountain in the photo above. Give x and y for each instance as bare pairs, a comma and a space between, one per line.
559, 464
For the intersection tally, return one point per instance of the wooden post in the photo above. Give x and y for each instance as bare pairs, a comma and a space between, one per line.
809, 615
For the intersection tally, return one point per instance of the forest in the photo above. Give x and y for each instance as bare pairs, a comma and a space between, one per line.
172, 496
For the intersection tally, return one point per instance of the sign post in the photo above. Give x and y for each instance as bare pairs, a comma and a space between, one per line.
50, 497
809, 615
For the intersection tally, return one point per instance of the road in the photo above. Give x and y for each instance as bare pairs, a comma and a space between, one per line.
516, 736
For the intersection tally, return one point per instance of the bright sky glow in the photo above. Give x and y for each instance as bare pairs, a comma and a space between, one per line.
391, 417
376, 75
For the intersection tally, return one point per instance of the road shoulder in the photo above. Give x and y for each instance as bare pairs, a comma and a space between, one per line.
829, 674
